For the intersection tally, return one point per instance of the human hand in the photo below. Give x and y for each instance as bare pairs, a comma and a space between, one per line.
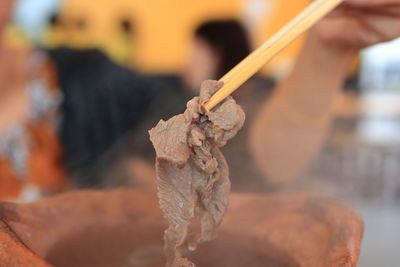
356, 24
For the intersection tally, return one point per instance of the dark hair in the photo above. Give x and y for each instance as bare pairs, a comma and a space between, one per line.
102, 102
229, 39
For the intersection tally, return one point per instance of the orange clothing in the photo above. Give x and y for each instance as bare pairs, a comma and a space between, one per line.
10, 186
34, 156
45, 166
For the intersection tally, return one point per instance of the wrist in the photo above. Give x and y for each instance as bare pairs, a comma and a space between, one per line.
318, 74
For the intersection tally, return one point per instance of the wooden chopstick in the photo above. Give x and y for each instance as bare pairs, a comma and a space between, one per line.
256, 60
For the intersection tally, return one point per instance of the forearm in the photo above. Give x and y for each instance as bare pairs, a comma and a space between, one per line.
291, 127
317, 76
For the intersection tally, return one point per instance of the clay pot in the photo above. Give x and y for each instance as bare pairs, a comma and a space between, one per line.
125, 227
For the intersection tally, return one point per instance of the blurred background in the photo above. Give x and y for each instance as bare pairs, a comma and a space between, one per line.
360, 162
160, 31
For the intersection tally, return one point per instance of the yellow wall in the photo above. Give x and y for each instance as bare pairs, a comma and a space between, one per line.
163, 28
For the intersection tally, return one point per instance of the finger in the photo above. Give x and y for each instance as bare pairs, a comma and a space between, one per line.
387, 27
392, 11
347, 31
375, 24
368, 11
373, 3
345, 8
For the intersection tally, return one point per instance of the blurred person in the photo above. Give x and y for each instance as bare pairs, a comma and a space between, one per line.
217, 46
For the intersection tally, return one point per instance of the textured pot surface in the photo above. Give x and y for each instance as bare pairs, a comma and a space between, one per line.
125, 228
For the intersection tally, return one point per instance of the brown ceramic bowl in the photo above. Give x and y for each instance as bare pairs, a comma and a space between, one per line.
125, 227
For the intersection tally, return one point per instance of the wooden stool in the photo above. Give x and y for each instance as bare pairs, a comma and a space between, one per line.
125, 228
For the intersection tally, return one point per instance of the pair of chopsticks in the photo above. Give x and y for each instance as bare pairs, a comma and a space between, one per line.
256, 60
